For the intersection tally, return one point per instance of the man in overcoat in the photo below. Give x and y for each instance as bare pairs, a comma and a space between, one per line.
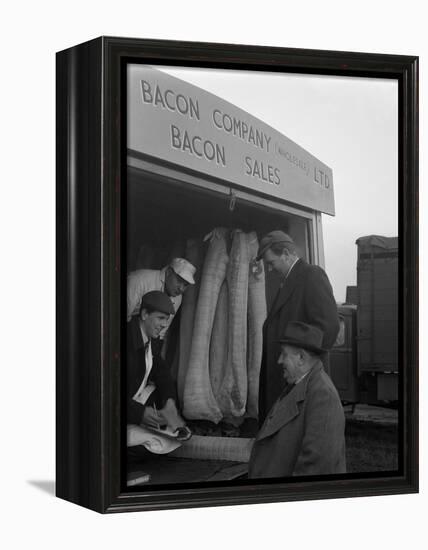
305, 295
303, 433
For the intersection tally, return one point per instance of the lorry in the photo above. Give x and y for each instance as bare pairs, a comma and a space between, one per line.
364, 361
206, 166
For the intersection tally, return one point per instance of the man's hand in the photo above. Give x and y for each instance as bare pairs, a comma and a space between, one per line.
171, 415
152, 418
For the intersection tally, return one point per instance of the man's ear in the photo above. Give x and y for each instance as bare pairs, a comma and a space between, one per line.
144, 314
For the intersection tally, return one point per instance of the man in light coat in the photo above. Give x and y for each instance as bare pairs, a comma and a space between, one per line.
303, 433
172, 279
305, 295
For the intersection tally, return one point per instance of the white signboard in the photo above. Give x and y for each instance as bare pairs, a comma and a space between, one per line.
182, 124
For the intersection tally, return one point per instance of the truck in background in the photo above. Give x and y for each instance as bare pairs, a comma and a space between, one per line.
364, 360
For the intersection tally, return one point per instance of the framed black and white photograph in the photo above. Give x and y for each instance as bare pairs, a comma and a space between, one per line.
237, 260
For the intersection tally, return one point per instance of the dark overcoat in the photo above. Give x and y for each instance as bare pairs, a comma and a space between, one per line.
304, 433
306, 296
160, 374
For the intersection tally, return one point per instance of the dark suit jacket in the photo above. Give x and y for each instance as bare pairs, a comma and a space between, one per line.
303, 433
136, 369
306, 296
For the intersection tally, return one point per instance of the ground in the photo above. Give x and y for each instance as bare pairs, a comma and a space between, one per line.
371, 440
371, 437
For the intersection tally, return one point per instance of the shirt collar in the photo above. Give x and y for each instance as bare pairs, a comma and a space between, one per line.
315, 367
143, 333
302, 377
162, 276
299, 390
291, 267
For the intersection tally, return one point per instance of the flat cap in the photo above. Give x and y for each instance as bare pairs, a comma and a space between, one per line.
158, 301
274, 237
303, 335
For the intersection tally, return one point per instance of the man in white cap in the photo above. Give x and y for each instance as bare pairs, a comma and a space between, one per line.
172, 279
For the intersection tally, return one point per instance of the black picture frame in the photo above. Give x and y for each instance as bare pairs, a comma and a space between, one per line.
90, 215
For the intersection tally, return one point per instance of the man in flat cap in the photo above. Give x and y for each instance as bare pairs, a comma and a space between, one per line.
303, 433
305, 294
150, 389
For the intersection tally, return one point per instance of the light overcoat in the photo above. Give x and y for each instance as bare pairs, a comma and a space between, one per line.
304, 433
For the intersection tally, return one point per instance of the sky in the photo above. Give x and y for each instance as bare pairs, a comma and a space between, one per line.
350, 124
